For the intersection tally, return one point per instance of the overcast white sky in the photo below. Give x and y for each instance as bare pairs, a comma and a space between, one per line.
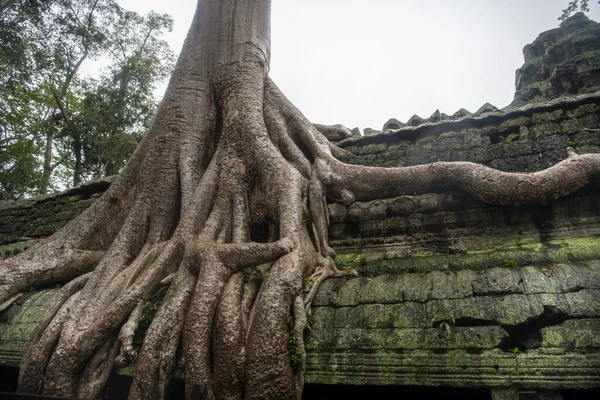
361, 62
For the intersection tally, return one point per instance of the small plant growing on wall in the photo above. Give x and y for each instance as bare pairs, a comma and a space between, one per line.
444, 323
307, 217
257, 272
515, 350
507, 139
151, 306
293, 349
362, 260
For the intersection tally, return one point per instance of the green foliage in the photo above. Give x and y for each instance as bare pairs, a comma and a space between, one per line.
118, 108
20, 167
307, 217
508, 139
306, 282
443, 322
574, 6
515, 350
152, 305
510, 263
412, 268
361, 242
346, 261
582, 90
571, 143
309, 322
257, 272
362, 260
57, 128
114, 199
293, 349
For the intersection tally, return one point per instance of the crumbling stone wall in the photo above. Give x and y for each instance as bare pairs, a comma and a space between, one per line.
559, 61
500, 327
523, 139
23, 223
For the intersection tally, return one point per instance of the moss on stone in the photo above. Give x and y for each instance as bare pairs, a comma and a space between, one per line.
522, 252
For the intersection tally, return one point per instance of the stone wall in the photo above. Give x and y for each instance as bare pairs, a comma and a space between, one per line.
524, 139
23, 223
454, 229
456, 292
525, 327
561, 60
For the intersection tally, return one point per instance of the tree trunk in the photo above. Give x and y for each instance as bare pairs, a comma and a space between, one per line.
47, 173
226, 152
77, 150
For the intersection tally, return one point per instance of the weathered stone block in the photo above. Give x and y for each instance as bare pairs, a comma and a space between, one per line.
513, 124
582, 304
543, 129
535, 281
328, 291
323, 318
575, 125
590, 272
349, 294
452, 285
372, 149
566, 278
573, 334
505, 394
512, 309
497, 281
416, 287
382, 289
548, 116
408, 315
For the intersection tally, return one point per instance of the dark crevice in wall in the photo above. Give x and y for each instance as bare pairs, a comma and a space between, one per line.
509, 135
327, 392
528, 335
592, 394
468, 322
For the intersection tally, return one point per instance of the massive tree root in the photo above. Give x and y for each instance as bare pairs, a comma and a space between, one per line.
214, 205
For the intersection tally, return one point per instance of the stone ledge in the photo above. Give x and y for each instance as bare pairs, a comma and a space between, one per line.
458, 368
490, 118
569, 280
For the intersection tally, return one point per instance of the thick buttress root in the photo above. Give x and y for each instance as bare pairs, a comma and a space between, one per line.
214, 206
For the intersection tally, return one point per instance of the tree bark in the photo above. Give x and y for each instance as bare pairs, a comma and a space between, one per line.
77, 150
47, 172
226, 152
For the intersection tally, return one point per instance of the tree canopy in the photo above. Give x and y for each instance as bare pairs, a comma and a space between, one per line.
58, 127
573, 7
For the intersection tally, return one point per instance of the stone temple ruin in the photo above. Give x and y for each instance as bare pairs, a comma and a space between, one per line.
485, 301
